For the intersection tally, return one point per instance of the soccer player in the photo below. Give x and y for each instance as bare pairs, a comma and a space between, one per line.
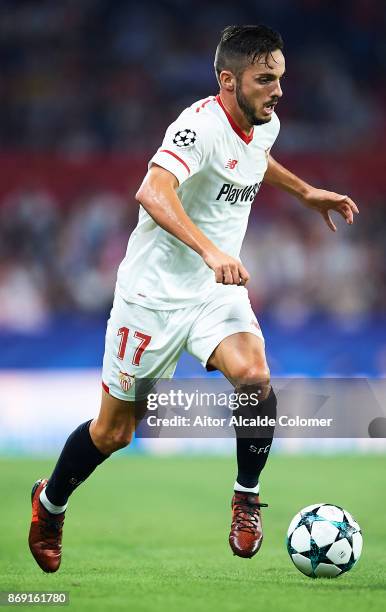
181, 284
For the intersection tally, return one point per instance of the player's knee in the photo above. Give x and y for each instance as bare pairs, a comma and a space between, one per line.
254, 378
109, 441
252, 374
121, 440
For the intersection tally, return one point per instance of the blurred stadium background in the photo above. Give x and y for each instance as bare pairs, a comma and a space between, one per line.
87, 89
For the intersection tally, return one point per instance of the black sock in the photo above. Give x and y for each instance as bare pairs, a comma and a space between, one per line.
254, 444
77, 461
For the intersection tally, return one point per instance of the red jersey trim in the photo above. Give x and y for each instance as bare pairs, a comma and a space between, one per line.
247, 139
210, 99
176, 157
105, 387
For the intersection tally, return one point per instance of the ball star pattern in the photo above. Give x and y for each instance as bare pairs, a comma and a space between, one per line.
185, 138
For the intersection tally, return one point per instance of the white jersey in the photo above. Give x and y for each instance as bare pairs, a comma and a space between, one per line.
219, 170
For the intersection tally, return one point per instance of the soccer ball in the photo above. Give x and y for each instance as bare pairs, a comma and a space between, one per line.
324, 540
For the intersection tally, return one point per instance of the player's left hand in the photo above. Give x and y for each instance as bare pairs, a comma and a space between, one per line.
323, 201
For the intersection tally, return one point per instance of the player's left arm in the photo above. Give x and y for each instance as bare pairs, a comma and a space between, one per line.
318, 199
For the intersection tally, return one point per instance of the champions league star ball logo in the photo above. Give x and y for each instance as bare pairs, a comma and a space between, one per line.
185, 138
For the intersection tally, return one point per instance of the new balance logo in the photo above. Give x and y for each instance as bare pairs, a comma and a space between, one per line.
231, 163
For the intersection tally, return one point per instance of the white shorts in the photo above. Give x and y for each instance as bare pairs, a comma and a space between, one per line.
142, 343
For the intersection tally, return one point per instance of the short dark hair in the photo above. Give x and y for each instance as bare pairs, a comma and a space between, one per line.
241, 45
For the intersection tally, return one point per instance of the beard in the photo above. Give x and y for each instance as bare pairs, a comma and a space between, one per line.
247, 108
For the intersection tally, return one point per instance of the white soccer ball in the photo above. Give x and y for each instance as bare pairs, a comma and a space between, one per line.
324, 540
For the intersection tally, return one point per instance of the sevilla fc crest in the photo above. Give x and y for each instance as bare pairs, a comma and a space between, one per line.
126, 380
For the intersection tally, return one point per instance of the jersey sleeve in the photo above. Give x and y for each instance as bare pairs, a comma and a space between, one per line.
185, 148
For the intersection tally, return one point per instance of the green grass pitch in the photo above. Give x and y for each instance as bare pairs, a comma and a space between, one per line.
150, 534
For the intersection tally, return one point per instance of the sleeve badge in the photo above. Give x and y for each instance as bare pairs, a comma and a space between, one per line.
185, 138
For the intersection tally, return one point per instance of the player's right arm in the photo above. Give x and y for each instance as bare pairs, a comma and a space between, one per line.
158, 196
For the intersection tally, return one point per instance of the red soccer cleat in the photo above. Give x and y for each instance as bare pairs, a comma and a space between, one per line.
246, 533
45, 535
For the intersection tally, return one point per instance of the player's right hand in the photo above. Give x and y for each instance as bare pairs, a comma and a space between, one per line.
227, 269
